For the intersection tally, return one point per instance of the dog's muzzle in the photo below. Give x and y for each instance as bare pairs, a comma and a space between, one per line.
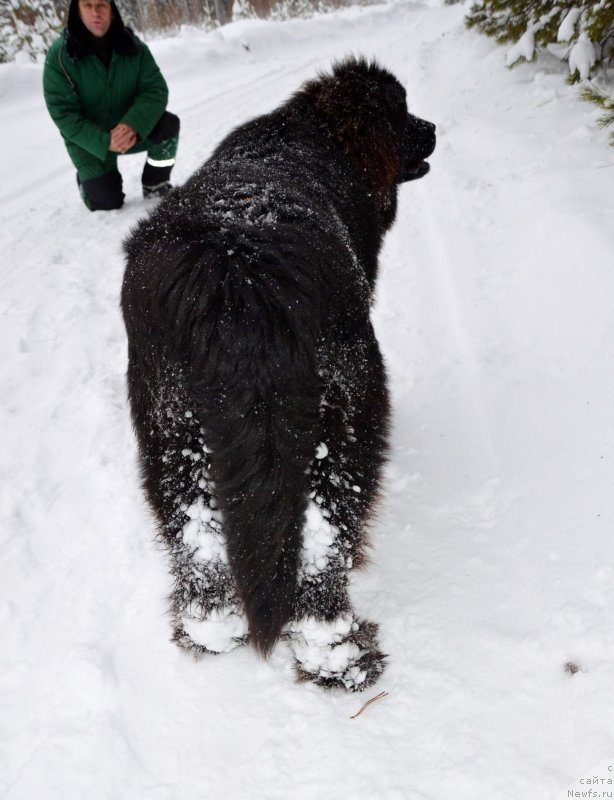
419, 143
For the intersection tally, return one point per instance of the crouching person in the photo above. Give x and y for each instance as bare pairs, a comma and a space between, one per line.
107, 96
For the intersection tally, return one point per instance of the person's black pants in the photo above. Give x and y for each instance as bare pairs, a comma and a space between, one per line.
103, 192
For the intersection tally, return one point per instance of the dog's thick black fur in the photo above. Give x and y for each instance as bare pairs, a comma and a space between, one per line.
257, 388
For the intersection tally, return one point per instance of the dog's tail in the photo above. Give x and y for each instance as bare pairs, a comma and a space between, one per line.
254, 380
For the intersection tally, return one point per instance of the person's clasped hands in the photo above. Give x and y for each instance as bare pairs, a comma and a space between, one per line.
123, 137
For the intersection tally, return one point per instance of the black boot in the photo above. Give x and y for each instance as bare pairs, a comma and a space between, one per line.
156, 181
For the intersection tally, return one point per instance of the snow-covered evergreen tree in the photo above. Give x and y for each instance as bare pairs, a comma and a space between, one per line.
27, 26
580, 33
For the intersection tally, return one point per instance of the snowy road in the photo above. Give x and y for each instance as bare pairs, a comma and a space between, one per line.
493, 564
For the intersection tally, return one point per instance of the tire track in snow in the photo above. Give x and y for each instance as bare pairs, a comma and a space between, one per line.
444, 259
424, 316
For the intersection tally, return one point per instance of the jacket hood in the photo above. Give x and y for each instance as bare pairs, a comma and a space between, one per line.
77, 37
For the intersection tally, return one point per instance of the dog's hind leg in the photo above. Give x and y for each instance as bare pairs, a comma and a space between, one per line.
206, 612
206, 616
332, 645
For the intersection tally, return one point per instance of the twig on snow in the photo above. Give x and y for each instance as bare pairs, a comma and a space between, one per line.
368, 703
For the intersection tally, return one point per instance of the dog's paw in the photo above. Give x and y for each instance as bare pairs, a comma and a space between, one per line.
221, 631
340, 654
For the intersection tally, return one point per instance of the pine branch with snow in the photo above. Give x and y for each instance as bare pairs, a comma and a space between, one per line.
582, 34
603, 100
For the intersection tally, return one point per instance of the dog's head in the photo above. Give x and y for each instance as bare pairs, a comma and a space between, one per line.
364, 108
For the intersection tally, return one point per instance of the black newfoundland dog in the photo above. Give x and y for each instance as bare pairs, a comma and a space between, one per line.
257, 388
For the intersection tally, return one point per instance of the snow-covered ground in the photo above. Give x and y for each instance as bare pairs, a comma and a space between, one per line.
493, 565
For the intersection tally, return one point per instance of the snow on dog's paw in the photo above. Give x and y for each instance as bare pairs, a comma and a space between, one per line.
342, 654
220, 631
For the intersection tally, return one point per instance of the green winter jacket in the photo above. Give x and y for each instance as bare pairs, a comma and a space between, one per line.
86, 100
